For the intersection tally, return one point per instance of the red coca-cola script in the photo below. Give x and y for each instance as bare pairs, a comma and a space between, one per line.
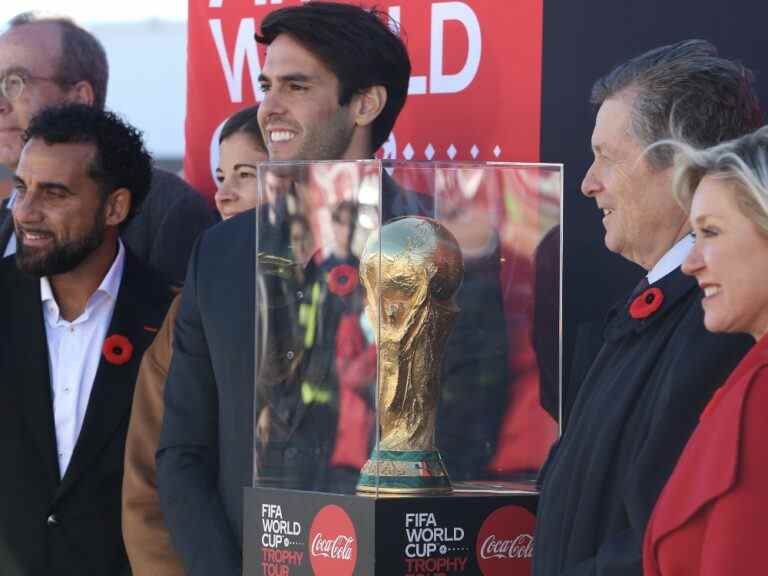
332, 543
505, 542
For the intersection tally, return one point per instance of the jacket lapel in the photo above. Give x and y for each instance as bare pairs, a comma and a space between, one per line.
30, 355
709, 465
675, 286
6, 227
112, 393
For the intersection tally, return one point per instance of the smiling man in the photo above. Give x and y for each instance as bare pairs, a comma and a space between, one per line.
335, 79
81, 309
656, 366
307, 111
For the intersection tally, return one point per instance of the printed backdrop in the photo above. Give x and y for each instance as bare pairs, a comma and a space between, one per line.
475, 92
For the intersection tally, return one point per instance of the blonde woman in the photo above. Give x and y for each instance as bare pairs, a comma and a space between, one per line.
712, 516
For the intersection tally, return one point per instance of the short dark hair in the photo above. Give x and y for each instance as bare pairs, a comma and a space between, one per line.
121, 160
244, 121
707, 98
82, 55
357, 45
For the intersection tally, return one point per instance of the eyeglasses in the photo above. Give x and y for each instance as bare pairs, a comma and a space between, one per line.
12, 85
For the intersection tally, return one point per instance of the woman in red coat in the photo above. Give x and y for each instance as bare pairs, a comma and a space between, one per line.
712, 516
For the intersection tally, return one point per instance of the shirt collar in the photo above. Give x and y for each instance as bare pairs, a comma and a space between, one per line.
673, 259
109, 286
11, 199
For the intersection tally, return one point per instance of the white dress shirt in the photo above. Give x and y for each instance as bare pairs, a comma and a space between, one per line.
74, 352
672, 260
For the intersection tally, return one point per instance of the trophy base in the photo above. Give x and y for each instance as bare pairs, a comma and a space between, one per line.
417, 534
404, 472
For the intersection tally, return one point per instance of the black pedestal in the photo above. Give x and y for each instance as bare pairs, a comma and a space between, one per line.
474, 530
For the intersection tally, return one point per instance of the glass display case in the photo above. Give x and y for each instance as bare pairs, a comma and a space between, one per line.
407, 344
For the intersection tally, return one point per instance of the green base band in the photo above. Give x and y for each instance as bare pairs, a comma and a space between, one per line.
404, 472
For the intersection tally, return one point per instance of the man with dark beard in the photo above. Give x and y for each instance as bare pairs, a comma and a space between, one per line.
81, 310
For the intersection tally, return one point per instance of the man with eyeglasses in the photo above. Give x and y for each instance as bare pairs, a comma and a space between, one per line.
51, 61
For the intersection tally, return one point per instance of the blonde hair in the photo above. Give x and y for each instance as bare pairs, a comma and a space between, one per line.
742, 162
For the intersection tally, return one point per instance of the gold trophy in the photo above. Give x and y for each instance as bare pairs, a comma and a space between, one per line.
411, 277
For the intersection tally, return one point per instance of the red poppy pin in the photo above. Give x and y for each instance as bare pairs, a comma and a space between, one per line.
646, 304
117, 349
342, 279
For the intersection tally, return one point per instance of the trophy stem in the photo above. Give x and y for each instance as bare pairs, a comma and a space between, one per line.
404, 472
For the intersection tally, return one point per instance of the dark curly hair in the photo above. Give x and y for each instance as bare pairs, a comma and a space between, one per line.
121, 160
358, 46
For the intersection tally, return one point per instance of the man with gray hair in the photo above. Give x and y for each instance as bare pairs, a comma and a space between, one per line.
655, 366
51, 61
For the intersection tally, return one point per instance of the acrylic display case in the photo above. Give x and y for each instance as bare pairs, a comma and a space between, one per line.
408, 366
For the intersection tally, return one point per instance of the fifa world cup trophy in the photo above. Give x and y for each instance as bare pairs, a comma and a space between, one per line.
411, 270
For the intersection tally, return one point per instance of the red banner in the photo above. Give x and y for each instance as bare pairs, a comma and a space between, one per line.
475, 90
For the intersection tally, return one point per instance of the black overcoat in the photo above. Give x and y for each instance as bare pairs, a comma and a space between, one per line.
635, 410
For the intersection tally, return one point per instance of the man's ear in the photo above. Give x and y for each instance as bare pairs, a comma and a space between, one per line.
368, 104
117, 207
81, 93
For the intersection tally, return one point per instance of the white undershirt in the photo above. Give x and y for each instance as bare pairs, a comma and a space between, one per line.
74, 352
672, 260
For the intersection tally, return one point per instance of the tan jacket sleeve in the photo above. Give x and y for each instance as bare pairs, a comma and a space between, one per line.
146, 536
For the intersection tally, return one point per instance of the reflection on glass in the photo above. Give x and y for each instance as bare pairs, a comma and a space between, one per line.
315, 408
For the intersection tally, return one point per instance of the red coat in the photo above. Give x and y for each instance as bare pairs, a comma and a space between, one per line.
712, 516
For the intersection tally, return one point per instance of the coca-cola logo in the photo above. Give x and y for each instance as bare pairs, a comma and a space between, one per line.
339, 548
519, 547
504, 544
332, 543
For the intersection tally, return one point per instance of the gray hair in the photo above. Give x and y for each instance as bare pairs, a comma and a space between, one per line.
82, 55
742, 162
708, 98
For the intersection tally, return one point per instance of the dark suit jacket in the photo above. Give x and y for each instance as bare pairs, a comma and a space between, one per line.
163, 233
164, 230
634, 413
70, 525
712, 515
204, 456
205, 453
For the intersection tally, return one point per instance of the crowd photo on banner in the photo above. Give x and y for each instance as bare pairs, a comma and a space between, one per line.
352, 291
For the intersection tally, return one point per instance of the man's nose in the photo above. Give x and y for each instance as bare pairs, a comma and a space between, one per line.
591, 184
5, 104
26, 210
271, 105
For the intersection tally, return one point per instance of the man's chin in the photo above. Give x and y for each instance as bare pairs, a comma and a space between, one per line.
43, 262
9, 158
33, 266
283, 153
612, 243
10, 148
